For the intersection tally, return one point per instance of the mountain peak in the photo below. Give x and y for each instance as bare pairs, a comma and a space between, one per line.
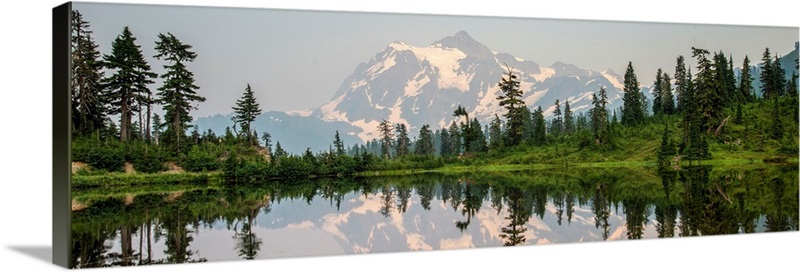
464, 42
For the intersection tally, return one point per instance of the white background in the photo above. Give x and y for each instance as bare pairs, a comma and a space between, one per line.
25, 101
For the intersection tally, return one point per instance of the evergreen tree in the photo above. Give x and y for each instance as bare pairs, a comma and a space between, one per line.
129, 81
569, 122
338, 144
425, 145
539, 127
279, 153
496, 134
444, 139
632, 113
557, 127
581, 123
511, 100
698, 102
657, 85
385, 131
666, 149
455, 139
778, 77
178, 90
791, 92
88, 101
776, 129
681, 82
477, 141
267, 138
745, 83
667, 100
707, 94
600, 117
527, 125
246, 111
725, 85
229, 138
402, 143
767, 76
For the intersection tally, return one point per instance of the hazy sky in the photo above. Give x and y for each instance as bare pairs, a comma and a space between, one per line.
298, 59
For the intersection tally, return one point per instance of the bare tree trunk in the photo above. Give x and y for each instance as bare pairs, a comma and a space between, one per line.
149, 113
141, 130
125, 120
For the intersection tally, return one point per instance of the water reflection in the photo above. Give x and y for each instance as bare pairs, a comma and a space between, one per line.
359, 215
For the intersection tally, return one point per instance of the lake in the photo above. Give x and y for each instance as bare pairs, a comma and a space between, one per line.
293, 218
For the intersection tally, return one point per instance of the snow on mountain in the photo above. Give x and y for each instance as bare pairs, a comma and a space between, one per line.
418, 85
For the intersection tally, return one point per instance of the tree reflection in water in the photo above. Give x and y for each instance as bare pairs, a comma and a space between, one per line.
160, 225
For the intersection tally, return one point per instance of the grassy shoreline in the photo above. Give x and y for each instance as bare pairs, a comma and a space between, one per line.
216, 178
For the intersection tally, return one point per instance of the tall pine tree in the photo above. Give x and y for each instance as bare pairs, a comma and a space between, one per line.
129, 81
569, 122
88, 101
425, 145
511, 99
245, 111
667, 100
745, 83
177, 94
632, 106
657, 85
386, 135
681, 82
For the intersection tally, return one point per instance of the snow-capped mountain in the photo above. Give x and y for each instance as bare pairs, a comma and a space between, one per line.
422, 85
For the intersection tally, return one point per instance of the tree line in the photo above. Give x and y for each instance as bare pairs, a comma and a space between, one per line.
148, 140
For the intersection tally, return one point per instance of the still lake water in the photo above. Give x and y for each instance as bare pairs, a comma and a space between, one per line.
175, 224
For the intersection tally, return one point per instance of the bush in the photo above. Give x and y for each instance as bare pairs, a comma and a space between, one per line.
199, 159
99, 155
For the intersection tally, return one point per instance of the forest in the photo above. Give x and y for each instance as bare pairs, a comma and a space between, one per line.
705, 113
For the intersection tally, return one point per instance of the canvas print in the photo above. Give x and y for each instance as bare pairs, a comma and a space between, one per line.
202, 134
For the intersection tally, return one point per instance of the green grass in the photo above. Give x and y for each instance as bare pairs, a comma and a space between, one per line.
137, 179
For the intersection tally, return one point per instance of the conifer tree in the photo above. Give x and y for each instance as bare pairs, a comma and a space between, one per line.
177, 94
767, 86
667, 100
402, 143
657, 85
632, 113
666, 149
745, 83
706, 93
455, 139
386, 135
511, 100
681, 82
477, 142
129, 81
246, 110
600, 117
338, 144
557, 127
776, 128
88, 100
444, 140
425, 145
569, 120
267, 138
539, 127
496, 133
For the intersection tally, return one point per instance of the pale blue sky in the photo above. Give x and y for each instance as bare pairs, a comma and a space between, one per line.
298, 59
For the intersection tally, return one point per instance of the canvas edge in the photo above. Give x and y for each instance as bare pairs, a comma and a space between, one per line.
61, 135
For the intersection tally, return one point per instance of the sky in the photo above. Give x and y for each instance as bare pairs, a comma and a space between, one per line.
297, 59
25, 78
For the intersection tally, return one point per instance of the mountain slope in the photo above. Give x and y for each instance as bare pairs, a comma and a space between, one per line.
421, 85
